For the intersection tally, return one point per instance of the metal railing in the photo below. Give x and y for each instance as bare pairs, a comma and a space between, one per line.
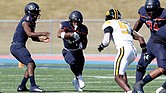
95, 36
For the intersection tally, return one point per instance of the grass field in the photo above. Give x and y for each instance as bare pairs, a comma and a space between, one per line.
57, 78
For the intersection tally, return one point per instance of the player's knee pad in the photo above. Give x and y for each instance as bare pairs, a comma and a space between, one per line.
141, 68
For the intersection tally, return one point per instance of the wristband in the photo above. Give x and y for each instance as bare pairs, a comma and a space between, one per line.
102, 45
62, 35
144, 50
143, 45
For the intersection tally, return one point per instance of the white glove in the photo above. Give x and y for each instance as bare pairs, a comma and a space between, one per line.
147, 56
80, 46
76, 36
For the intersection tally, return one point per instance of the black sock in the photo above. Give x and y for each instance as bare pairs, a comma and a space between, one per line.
75, 70
139, 76
164, 85
147, 79
24, 81
32, 81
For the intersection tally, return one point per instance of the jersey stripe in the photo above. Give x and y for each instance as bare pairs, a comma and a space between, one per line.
118, 62
116, 13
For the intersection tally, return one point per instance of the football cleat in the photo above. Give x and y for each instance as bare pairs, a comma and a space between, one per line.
129, 91
76, 85
159, 89
163, 90
35, 89
22, 88
81, 81
138, 87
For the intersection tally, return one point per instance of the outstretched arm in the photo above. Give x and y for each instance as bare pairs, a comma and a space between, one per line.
32, 33
141, 40
36, 36
138, 25
106, 40
41, 39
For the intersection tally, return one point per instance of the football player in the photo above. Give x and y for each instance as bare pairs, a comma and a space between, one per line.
154, 17
25, 30
122, 35
159, 50
74, 35
160, 38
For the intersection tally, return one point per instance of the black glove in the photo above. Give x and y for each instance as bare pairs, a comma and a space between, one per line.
100, 47
146, 56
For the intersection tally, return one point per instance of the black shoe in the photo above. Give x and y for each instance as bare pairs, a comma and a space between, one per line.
22, 88
138, 87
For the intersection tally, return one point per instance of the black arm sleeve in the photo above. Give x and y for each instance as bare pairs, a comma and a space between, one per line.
108, 29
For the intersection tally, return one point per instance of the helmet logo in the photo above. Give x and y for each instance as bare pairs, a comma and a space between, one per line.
108, 13
31, 7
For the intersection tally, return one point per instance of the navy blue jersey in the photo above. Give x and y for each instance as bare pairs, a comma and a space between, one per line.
155, 23
18, 49
162, 32
82, 30
160, 36
20, 35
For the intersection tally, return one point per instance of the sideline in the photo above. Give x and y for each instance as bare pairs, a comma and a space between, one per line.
58, 59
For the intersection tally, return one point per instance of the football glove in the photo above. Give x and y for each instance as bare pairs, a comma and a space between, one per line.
80, 46
76, 36
100, 47
146, 56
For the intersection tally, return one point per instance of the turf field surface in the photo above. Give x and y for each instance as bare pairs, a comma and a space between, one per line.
54, 78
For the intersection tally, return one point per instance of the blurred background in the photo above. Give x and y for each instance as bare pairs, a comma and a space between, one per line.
55, 11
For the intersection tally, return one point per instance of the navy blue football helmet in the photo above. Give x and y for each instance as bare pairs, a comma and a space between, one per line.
151, 7
113, 14
32, 9
76, 16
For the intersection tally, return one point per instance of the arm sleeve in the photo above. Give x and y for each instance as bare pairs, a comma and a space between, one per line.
108, 29
107, 32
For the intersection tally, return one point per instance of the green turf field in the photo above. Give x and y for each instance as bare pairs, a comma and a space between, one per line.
57, 78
